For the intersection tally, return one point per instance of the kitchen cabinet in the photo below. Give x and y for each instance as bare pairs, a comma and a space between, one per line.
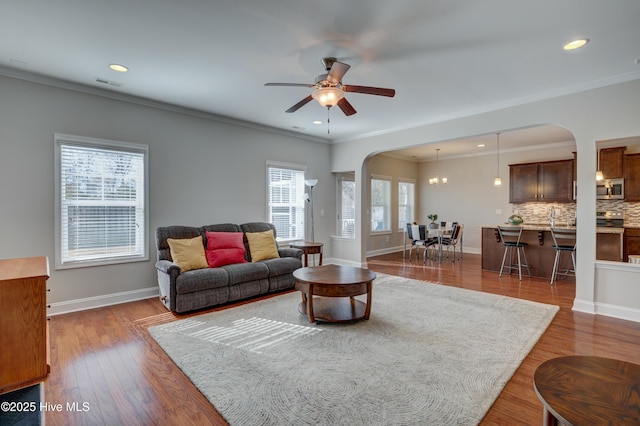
631, 242
610, 245
632, 177
23, 322
549, 182
612, 162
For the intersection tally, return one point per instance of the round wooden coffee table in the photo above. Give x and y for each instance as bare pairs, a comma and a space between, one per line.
334, 288
588, 390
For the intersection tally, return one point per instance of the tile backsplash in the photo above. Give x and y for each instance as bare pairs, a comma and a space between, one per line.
631, 210
539, 212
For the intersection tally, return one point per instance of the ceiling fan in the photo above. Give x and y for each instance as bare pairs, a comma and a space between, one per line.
329, 90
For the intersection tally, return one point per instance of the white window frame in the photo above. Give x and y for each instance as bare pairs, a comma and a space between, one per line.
385, 206
345, 227
105, 255
297, 197
410, 206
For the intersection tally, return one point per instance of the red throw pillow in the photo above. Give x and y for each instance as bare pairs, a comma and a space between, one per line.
224, 248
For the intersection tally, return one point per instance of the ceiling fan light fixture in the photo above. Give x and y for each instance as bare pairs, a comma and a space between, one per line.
328, 96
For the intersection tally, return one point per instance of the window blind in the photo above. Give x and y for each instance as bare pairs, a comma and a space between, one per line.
102, 203
286, 198
380, 204
346, 227
406, 204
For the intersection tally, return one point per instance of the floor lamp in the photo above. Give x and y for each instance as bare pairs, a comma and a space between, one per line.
311, 183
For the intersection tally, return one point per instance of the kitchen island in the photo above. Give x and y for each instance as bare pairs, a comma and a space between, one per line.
540, 251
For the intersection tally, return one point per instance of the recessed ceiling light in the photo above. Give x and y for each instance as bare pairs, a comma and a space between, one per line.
480, 145
575, 44
317, 122
118, 67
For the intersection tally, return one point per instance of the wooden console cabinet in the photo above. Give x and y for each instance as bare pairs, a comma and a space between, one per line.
24, 344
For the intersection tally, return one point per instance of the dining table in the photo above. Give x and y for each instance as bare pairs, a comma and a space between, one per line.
439, 233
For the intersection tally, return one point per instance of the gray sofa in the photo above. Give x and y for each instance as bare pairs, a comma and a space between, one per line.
203, 288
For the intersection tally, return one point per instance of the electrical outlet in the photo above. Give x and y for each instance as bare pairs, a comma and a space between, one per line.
498, 211
536, 211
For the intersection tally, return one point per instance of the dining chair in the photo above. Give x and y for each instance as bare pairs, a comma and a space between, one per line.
417, 234
453, 240
510, 237
564, 240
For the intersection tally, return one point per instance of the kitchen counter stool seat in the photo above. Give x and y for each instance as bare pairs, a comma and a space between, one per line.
510, 237
564, 240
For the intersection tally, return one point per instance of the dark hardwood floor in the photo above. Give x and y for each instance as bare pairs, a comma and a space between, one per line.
105, 359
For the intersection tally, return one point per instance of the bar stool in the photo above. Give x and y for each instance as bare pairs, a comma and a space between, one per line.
564, 240
510, 237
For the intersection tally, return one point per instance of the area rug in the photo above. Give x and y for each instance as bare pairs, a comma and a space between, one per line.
429, 354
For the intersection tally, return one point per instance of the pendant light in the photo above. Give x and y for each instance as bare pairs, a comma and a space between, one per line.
497, 181
437, 180
599, 174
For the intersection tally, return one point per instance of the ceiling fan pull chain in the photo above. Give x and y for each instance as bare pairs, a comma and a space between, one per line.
328, 120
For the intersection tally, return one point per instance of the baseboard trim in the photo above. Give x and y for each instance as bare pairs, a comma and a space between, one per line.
389, 250
605, 309
620, 312
101, 301
584, 306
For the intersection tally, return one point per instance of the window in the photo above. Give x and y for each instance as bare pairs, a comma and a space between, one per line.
346, 190
285, 200
380, 204
101, 201
406, 204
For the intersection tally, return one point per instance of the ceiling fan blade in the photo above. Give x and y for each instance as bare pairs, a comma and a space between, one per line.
289, 84
346, 107
338, 70
300, 104
379, 91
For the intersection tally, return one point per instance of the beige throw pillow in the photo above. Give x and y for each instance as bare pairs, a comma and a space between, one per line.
188, 254
262, 245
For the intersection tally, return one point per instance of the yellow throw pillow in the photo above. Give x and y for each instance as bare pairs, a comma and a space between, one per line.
188, 254
262, 245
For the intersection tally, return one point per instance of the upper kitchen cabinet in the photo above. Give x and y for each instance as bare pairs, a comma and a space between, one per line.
612, 162
523, 183
632, 177
548, 182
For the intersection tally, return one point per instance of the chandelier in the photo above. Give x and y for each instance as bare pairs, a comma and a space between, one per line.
437, 180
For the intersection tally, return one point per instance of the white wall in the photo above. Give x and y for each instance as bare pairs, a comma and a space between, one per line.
605, 113
202, 172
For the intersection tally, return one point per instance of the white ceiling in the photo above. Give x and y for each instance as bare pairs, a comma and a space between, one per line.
445, 58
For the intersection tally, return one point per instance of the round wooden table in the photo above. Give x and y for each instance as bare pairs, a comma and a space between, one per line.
588, 390
334, 288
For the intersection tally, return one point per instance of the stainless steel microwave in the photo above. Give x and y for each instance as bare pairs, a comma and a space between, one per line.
610, 189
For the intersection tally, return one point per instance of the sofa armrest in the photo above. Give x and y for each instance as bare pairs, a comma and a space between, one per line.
290, 252
168, 267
